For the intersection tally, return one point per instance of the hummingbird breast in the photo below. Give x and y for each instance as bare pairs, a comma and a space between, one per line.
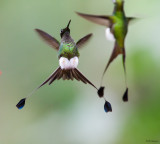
68, 53
68, 56
68, 50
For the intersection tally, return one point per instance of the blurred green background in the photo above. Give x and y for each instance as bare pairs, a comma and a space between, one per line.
70, 112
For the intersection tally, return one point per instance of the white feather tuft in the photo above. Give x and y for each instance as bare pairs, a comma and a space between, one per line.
109, 35
68, 64
74, 62
64, 63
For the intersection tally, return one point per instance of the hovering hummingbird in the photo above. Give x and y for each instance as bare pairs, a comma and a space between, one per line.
68, 55
117, 28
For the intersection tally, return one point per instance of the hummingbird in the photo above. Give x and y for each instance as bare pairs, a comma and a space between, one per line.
68, 55
117, 28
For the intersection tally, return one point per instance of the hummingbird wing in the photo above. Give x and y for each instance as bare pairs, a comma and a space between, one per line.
48, 39
83, 40
130, 19
102, 20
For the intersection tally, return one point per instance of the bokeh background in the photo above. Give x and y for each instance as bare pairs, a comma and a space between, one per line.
70, 112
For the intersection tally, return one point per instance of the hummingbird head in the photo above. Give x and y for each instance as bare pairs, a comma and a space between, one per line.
118, 4
118, 1
65, 29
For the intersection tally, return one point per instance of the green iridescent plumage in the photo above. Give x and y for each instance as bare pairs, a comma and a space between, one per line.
119, 24
68, 50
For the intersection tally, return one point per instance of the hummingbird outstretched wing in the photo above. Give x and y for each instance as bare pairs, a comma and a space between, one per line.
131, 19
102, 20
48, 39
83, 40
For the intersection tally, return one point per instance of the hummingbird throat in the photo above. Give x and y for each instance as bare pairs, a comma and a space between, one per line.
65, 63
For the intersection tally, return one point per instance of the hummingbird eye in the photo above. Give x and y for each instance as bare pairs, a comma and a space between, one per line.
61, 30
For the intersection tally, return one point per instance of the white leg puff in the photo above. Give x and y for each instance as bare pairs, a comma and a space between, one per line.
64, 63
74, 62
109, 35
68, 64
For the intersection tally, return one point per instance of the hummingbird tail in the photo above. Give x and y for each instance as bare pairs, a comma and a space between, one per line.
116, 51
21, 103
82, 77
125, 95
59, 73
67, 74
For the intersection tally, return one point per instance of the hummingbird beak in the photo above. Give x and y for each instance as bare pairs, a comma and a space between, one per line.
68, 23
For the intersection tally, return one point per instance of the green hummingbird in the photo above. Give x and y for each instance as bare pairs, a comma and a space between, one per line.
117, 28
68, 56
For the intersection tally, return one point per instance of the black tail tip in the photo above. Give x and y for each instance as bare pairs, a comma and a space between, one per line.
101, 92
107, 107
125, 96
21, 103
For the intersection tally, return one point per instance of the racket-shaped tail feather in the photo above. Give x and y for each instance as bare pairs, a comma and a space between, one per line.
58, 74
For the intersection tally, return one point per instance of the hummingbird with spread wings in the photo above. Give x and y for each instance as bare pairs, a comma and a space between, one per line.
68, 55
117, 28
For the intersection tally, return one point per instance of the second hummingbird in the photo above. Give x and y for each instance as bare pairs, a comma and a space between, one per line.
117, 24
